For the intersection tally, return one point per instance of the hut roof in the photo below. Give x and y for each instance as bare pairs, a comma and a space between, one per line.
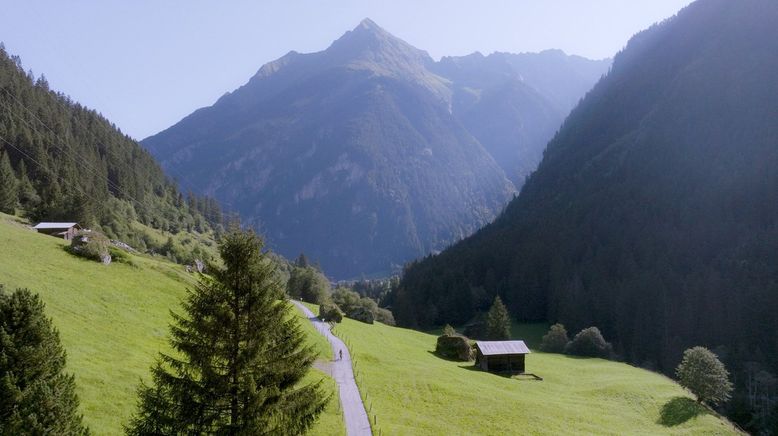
55, 225
491, 348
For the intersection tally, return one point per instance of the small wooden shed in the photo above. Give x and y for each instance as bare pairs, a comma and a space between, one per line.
501, 356
65, 231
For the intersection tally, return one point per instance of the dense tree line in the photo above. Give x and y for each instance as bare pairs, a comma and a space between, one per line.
376, 289
653, 213
67, 162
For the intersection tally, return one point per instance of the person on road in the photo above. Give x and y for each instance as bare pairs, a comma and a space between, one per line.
341, 355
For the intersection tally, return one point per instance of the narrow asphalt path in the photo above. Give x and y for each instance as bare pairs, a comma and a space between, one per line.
354, 414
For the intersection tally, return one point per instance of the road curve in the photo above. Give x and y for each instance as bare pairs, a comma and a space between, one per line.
354, 414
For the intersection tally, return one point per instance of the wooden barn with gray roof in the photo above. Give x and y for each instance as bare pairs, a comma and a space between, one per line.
65, 231
501, 356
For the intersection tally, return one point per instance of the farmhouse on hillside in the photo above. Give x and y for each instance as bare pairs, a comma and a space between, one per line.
500, 356
65, 231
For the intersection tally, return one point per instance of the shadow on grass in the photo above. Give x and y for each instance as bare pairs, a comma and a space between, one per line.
472, 367
515, 375
448, 359
679, 410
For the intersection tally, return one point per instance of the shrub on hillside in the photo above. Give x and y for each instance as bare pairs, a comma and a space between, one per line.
451, 345
555, 340
385, 316
590, 343
362, 314
91, 245
704, 375
361, 308
330, 312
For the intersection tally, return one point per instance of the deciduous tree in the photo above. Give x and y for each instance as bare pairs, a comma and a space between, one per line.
704, 375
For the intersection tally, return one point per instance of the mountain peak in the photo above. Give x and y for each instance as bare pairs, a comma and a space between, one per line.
371, 46
368, 24
368, 31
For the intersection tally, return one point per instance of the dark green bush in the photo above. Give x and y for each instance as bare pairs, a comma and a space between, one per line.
555, 340
361, 308
455, 347
384, 316
330, 312
362, 314
590, 343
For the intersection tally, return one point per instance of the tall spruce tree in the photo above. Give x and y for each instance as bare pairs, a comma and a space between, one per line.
36, 397
240, 356
498, 322
9, 194
28, 196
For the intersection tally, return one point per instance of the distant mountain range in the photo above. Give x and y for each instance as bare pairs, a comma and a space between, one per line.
370, 153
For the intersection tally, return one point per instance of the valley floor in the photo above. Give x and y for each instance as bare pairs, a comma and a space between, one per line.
411, 391
113, 321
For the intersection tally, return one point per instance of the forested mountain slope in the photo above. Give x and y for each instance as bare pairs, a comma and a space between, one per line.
365, 155
69, 163
653, 214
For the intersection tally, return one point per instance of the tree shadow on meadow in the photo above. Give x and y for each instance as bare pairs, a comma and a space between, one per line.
679, 410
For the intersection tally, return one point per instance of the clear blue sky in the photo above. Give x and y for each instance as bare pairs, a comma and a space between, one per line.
145, 64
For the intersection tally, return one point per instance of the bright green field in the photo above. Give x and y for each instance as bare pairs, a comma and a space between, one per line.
112, 319
413, 392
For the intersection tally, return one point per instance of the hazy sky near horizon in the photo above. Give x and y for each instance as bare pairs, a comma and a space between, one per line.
145, 64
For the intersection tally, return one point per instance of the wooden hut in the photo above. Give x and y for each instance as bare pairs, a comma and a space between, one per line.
65, 231
501, 356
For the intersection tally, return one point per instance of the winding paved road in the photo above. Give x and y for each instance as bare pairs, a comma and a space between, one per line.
354, 414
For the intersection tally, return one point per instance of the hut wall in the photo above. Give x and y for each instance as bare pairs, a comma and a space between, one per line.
503, 362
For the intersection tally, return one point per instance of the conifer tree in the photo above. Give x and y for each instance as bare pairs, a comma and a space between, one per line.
36, 397
240, 356
302, 261
9, 194
498, 322
28, 196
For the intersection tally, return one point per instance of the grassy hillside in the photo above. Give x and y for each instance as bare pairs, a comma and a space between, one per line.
414, 392
113, 320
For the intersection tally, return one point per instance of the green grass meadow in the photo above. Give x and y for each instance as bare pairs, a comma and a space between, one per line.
113, 320
411, 391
